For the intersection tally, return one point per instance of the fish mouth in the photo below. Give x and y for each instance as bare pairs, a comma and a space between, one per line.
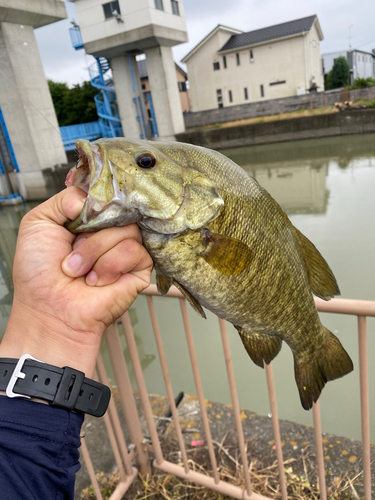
105, 205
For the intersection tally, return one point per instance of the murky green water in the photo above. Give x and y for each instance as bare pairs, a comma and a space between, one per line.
327, 188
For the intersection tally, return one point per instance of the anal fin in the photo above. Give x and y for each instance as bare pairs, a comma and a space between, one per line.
261, 348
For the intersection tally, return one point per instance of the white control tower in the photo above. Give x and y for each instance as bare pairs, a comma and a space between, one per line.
118, 31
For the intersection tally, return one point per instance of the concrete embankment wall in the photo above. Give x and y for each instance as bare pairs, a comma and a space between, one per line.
311, 127
275, 106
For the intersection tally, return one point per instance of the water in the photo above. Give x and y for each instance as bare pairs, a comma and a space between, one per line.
326, 187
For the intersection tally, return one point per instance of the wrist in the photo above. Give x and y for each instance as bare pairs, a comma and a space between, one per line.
49, 340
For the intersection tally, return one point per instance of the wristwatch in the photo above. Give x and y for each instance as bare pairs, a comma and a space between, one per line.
61, 387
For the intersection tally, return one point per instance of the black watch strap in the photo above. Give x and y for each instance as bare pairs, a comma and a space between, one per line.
62, 387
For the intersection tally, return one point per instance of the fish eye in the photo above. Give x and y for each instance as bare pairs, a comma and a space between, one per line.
146, 160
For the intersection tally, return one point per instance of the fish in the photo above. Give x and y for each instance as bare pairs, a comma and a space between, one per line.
223, 241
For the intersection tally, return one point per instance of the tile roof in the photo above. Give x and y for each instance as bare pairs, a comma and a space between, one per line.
270, 33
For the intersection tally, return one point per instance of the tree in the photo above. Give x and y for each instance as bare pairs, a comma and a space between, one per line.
340, 73
75, 105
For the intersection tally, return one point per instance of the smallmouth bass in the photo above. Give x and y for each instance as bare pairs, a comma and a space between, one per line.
222, 240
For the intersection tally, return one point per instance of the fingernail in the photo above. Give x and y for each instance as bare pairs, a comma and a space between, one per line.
78, 242
74, 263
92, 278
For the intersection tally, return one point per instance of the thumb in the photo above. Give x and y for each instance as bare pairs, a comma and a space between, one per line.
63, 206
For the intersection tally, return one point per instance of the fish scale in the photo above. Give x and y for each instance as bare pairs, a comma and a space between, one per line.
217, 235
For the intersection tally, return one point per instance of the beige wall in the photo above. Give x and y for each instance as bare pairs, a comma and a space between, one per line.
294, 60
184, 96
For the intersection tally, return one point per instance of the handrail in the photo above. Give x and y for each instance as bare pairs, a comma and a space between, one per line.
338, 306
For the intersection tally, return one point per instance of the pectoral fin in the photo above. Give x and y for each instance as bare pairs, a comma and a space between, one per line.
162, 283
261, 348
322, 281
227, 255
192, 301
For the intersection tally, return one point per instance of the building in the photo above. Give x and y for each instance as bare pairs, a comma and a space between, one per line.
362, 63
29, 133
119, 31
182, 82
229, 67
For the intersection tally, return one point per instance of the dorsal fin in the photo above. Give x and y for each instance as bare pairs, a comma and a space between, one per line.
322, 281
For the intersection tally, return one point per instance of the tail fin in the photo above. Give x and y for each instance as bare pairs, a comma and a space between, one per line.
329, 362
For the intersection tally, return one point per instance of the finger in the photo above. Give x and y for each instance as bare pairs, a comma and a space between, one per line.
63, 206
128, 256
88, 251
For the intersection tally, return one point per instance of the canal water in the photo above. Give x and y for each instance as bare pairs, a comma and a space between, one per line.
326, 186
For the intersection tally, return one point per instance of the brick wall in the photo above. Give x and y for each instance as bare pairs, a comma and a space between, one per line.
274, 107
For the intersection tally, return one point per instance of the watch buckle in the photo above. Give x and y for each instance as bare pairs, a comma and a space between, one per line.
17, 373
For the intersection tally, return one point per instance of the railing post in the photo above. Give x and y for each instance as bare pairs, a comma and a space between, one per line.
365, 405
127, 399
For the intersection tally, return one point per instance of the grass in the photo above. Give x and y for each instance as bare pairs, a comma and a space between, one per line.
282, 116
300, 478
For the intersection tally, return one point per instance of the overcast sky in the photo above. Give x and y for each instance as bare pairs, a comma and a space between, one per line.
62, 63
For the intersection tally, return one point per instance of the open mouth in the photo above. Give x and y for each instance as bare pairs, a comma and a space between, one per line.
105, 205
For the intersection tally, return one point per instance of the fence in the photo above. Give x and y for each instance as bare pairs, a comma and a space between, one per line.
275, 106
139, 448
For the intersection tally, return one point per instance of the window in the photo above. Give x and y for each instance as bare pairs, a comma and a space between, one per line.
238, 58
182, 86
216, 66
278, 83
245, 93
225, 62
110, 7
314, 43
230, 96
261, 91
143, 86
219, 97
159, 4
175, 8
251, 56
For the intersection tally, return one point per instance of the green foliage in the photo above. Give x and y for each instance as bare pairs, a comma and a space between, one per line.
75, 105
328, 81
340, 73
362, 82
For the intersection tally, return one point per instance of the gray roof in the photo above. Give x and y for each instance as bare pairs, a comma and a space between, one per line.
271, 33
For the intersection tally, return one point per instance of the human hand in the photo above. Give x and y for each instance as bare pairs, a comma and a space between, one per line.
68, 290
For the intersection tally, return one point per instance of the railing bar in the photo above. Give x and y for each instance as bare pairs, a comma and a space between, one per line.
132, 347
127, 398
222, 487
167, 380
90, 470
112, 439
198, 385
235, 403
339, 306
114, 418
319, 451
365, 406
276, 430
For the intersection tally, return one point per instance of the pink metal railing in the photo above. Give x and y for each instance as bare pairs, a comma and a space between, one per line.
140, 448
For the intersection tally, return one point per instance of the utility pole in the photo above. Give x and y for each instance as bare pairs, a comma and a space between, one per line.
350, 37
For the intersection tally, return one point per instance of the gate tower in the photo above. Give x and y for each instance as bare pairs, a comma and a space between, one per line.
118, 31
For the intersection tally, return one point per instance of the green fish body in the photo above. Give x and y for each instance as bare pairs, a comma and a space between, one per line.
222, 240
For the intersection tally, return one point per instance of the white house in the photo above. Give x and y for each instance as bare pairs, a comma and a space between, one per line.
362, 63
230, 67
